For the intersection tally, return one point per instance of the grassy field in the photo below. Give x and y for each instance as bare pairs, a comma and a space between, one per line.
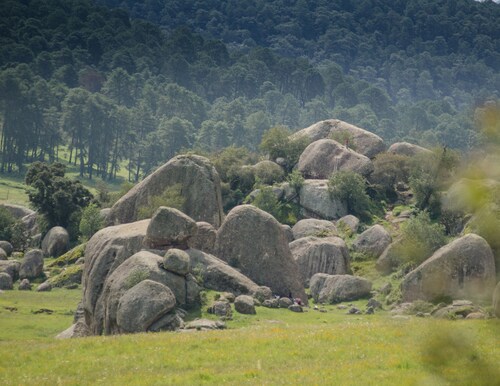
270, 348
12, 190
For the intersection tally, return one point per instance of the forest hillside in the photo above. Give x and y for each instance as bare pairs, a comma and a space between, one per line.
131, 83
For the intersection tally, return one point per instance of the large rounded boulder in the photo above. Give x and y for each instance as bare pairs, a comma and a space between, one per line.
316, 201
322, 158
7, 247
320, 255
56, 242
218, 275
199, 184
373, 241
363, 141
254, 242
142, 266
465, 268
338, 288
11, 267
104, 252
407, 149
169, 227
313, 227
31, 265
204, 239
142, 305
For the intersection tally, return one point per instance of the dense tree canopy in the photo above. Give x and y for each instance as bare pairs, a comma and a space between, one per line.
120, 91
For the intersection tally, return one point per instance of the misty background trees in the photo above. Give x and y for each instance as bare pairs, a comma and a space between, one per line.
119, 91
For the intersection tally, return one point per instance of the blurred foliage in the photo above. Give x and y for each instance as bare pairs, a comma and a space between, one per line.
450, 352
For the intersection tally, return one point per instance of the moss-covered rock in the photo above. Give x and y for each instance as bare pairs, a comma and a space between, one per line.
70, 275
70, 257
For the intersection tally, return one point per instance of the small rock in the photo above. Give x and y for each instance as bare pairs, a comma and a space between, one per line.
229, 296
285, 302
295, 308
271, 303
5, 281
263, 293
476, 315
354, 311
205, 324
342, 307
374, 304
177, 261
7, 247
244, 304
461, 303
25, 285
44, 287
71, 286
370, 311
222, 309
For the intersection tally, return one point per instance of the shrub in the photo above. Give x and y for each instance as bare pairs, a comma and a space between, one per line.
343, 137
20, 236
137, 275
428, 176
171, 197
420, 237
389, 169
268, 172
90, 222
350, 187
278, 144
296, 180
6, 223
285, 213
55, 197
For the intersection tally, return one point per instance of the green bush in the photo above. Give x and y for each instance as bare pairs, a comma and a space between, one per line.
20, 236
6, 222
268, 172
90, 222
278, 144
389, 170
344, 137
285, 213
137, 275
171, 197
429, 175
420, 237
296, 180
350, 187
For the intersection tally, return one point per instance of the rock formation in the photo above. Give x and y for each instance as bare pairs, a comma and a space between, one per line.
200, 186
323, 157
465, 268
363, 141
255, 243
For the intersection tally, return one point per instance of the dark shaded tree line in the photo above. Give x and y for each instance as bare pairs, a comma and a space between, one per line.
121, 92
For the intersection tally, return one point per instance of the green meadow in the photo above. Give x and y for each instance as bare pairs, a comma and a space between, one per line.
271, 348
